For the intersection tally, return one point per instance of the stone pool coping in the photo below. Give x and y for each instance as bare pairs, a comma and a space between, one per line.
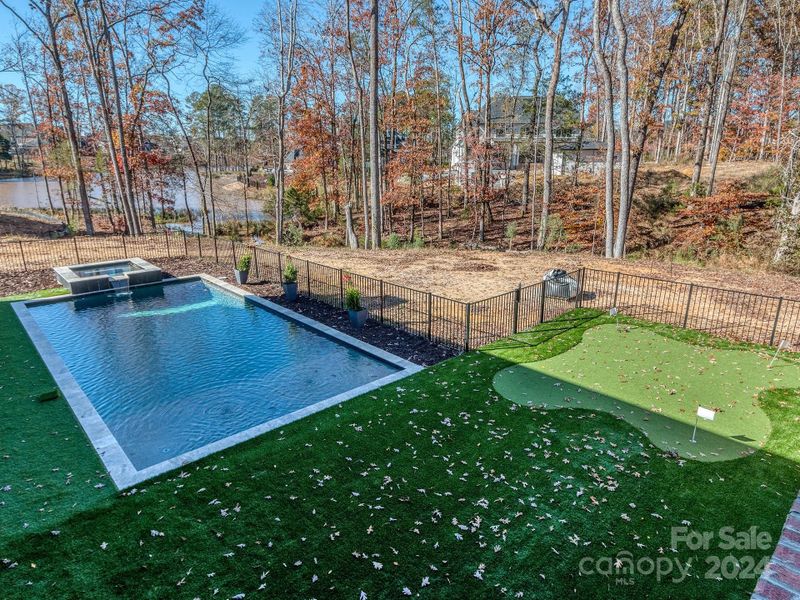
142, 273
116, 462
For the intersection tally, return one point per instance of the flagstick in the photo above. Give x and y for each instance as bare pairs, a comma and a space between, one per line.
775, 356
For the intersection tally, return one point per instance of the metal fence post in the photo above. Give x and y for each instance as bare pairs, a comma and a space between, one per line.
22, 255
216, 252
185, 247
579, 295
430, 315
166, 236
255, 263
124, 246
467, 311
775, 323
541, 303
383, 299
280, 267
515, 316
688, 305
341, 290
308, 278
199, 246
77, 256
616, 292
233, 251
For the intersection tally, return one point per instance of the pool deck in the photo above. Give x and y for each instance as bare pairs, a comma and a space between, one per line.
119, 467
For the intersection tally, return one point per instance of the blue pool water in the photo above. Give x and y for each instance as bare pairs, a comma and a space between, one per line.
171, 368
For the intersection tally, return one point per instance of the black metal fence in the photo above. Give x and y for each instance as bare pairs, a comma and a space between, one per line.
724, 313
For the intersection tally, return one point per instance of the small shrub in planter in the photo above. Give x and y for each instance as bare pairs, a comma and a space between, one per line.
352, 302
242, 269
290, 282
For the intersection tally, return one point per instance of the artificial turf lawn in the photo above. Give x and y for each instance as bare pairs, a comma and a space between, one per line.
48, 469
656, 384
435, 484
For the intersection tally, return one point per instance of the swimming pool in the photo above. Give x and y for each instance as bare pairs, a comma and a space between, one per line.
164, 374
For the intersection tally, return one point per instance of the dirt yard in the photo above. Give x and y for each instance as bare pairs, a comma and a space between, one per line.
470, 275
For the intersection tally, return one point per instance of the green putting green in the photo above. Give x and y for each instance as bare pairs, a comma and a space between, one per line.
656, 384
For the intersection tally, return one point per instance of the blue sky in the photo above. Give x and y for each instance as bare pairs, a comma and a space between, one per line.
242, 12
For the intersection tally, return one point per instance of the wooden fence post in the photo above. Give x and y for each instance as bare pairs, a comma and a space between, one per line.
467, 311
430, 315
688, 305
775, 323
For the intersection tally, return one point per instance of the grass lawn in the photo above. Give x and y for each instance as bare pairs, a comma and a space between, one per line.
436, 486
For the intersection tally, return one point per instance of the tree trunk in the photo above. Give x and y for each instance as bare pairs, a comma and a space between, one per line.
547, 191
624, 131
374, 138
710, 89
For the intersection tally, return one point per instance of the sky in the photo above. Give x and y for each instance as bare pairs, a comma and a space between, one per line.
243, 12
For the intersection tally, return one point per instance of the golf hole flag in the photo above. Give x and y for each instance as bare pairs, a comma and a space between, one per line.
702, 413
705, 413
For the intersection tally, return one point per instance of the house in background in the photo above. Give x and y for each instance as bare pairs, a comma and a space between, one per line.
515, 133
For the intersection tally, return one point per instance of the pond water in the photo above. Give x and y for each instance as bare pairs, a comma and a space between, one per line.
30, 193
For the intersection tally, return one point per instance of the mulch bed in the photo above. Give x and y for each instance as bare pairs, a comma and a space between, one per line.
22, 282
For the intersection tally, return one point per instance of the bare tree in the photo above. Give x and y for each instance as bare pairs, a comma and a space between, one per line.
789, 216
49, 40
362, 138
557, 37
281, 45
712, 74
724, 96
374, 139
601, 61
624, 128
21, 49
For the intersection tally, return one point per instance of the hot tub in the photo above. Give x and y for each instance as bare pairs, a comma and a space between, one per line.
94, 277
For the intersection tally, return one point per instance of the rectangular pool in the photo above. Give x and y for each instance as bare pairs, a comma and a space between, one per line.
164, 374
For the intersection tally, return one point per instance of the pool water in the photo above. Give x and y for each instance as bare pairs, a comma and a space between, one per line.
171, 368
112, 269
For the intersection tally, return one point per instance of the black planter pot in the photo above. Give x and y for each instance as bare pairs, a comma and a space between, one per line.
290, 291
358, 317
241, 276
